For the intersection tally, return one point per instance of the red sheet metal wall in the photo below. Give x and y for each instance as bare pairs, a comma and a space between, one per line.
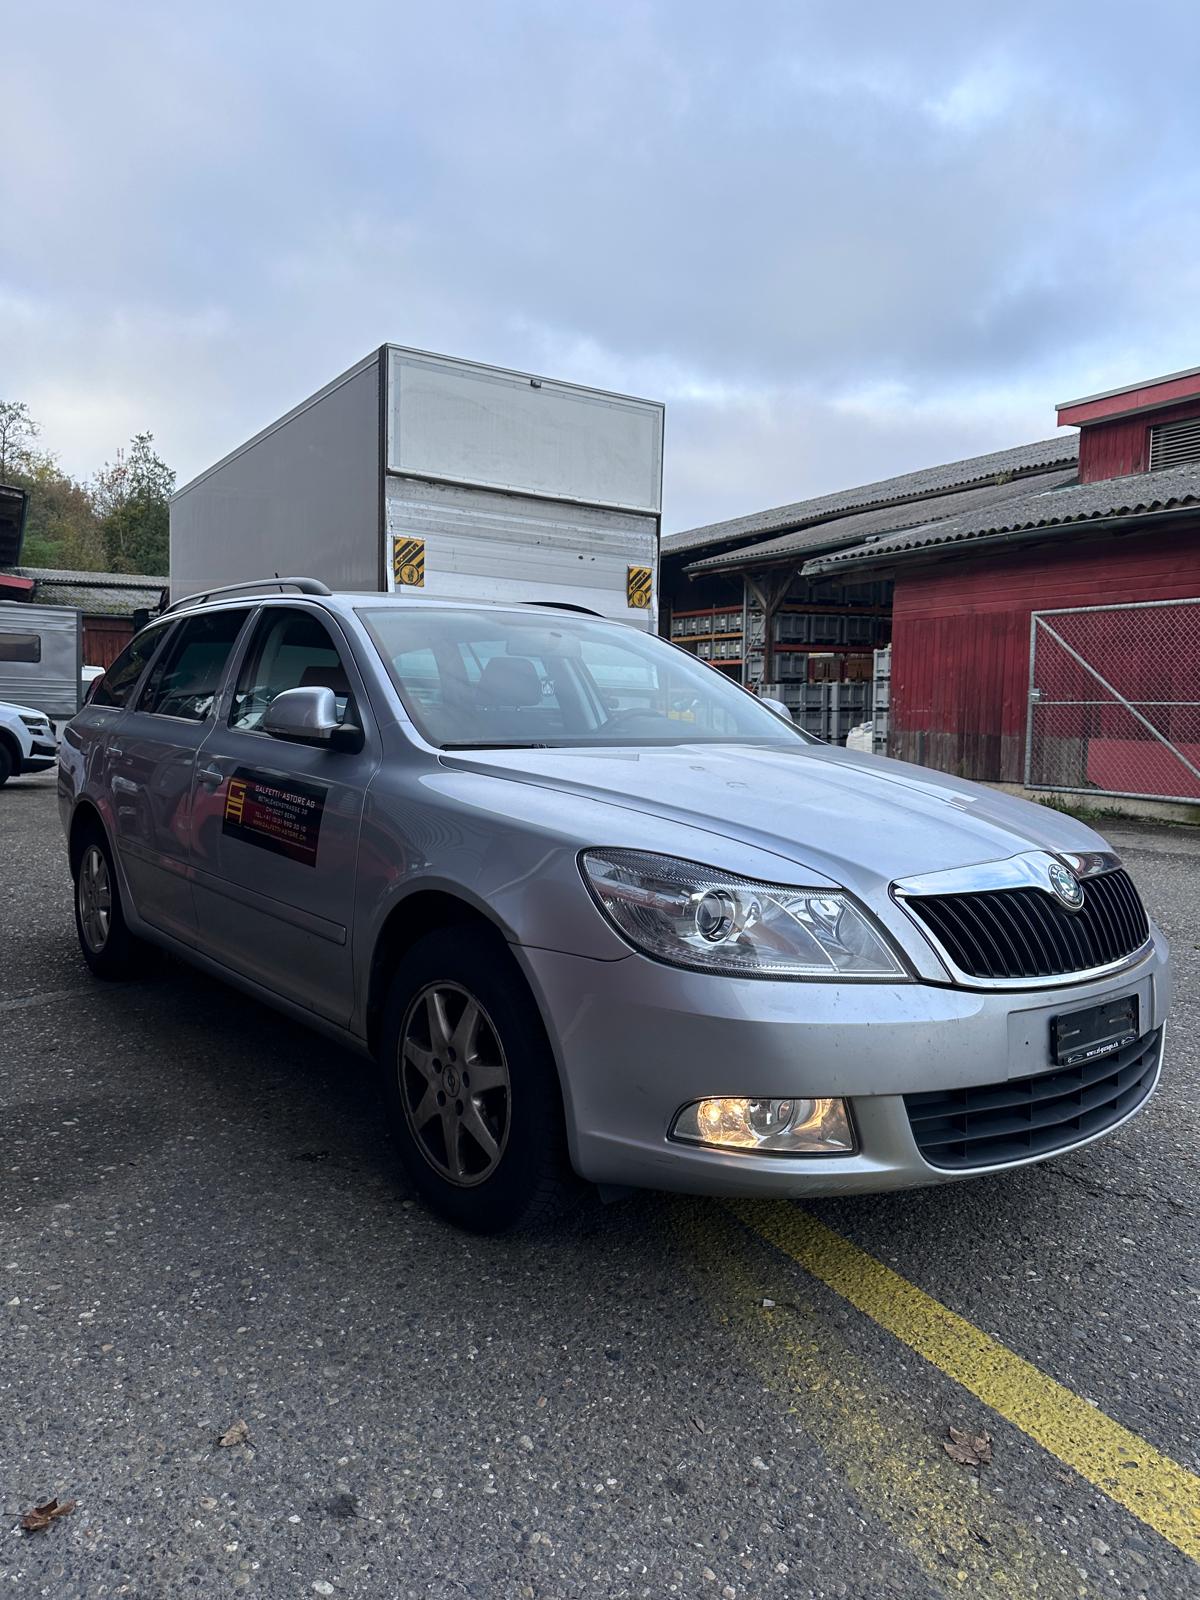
960, 638
1117, 448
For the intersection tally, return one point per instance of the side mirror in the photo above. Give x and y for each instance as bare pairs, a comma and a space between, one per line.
309, 716
780, 710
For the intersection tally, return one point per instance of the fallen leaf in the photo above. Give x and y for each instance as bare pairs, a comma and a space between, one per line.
42, 1516
698, 1425
237, 1434
968, 1449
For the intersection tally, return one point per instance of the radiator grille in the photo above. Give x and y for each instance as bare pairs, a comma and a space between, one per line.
1026, 933
999, 1122
1174, 443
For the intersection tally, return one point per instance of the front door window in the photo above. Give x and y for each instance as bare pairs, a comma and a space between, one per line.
293, 650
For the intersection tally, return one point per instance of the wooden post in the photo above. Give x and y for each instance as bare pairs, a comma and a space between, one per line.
770, 590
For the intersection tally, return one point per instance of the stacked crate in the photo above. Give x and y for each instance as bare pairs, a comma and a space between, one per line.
828, 710
881, 708
821, 634
713, 634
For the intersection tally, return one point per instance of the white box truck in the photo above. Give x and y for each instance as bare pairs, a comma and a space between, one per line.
425, 474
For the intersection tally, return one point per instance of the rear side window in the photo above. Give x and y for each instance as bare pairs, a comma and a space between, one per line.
186, 679
24, 647
119, 682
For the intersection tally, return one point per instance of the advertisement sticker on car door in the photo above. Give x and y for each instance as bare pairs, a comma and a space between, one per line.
276, 814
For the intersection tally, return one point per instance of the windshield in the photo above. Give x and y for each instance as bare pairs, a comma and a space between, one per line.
503, 679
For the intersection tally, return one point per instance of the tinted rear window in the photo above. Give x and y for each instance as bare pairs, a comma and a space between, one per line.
119, 682
187, 677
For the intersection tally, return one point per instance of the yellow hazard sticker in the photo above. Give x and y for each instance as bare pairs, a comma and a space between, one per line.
408, 561
639, 587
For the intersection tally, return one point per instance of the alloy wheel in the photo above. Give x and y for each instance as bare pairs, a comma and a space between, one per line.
95, 898
454, 1084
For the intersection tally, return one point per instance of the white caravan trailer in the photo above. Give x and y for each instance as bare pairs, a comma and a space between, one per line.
41, 657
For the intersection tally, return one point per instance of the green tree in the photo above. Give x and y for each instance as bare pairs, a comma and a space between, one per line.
120, 521
61, 528
131, 496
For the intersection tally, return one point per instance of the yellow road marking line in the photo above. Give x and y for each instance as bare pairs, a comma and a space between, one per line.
942, 1518
1158, 1491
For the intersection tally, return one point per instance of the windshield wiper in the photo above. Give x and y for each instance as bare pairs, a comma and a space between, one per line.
502, 744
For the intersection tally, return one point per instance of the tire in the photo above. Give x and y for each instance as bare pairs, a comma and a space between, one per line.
487, 1153
108, 947
7, 765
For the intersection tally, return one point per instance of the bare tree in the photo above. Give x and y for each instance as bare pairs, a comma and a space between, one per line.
18, 430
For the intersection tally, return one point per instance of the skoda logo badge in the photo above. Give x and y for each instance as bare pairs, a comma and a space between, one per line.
1066, 886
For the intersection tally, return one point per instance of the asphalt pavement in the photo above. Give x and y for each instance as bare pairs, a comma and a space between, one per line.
202, 1224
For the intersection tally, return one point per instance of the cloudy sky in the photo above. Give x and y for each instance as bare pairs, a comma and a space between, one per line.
839, 240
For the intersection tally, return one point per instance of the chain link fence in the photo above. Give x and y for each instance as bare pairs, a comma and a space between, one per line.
1114, 700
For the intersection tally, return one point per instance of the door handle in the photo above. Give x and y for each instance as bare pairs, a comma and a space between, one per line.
210, 777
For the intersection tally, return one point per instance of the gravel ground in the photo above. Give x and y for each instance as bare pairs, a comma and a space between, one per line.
201, 1222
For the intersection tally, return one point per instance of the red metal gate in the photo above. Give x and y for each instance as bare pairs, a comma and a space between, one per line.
1114, 700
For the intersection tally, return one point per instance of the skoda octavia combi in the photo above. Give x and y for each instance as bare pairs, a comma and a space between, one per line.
596, 911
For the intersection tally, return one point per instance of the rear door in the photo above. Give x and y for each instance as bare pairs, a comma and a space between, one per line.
150, 762
275, 844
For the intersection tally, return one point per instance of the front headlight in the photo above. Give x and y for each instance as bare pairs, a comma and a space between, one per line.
694, 916
36, 724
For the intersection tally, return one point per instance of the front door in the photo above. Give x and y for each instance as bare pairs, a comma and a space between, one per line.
150, 760
275, 842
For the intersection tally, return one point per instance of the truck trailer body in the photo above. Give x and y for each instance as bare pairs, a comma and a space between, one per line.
424, 474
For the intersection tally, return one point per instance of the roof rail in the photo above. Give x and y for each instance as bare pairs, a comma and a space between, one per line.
304, 585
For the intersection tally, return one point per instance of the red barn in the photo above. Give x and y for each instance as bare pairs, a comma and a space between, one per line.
1053, 639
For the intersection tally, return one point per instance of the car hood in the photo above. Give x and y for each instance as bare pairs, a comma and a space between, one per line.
22, 711
858, 819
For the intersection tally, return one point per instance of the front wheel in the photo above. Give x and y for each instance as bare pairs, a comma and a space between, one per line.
471, 1087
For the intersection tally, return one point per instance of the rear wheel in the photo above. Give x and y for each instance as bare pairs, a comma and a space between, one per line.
108, 947
471, 1087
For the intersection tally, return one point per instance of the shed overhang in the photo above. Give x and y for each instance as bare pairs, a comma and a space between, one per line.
1151, 395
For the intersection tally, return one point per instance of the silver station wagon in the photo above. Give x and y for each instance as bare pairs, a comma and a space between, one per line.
595, 911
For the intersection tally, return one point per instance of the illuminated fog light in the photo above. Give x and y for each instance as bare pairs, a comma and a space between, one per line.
775, 1127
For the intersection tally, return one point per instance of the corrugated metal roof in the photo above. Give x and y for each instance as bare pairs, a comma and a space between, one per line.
843, 531
100, 594
1040, 456
1176, 488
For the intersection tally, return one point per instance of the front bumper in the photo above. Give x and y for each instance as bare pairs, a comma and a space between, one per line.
635, 1041
43, 754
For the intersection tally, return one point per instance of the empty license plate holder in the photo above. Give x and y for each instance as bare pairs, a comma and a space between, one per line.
1094, 1031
